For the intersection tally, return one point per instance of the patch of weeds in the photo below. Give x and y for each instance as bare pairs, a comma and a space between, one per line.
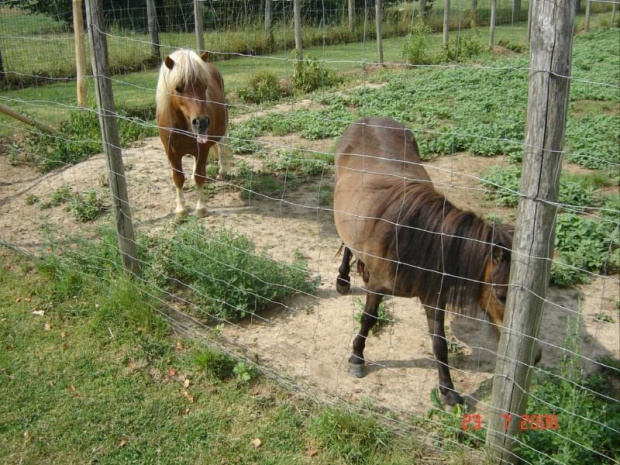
584, 416
594, 141
384, 318
512, 46
31, 199
464, 47
262, 87
61, 195
227, 277
603, 317
353, 438
309, 74
448, 425
300, 161
242, 137
218, 365
245, 372
86, 206
415, 50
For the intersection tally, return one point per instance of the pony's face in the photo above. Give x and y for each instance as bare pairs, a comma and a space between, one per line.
189, 96
494, 292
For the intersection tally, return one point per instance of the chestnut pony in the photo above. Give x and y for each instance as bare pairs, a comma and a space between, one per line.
192, 118
410, 241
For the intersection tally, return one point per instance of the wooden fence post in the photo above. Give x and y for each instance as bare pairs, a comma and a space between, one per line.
422, 11
474, 11
492, 23
297, 20
379, 21
550, 59
109, 135
446, 21
151, 16
269, 22
80, 55
198, 26
588, 6
351, 7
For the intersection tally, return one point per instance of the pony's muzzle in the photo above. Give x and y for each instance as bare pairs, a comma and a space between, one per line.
200, 124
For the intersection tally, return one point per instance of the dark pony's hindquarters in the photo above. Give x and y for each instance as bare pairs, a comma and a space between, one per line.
410, 241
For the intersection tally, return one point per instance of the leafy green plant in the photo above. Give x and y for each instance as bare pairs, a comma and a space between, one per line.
31, 199
262, 87
59, 196
584, 413
594, 141
242, 137
512, 46
449, 424
86, 206
462, 48
245, 372
309, 74
415, 50
384, 318
217, 365
223, 271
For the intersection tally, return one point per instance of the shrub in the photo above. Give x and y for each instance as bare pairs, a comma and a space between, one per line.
227, 276
415, 50
262, 87
87, 206
309, 74
462, 48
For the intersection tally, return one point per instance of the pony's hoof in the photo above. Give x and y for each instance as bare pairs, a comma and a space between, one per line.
180, 216
202, 212
342, 286
357, 370
451, 398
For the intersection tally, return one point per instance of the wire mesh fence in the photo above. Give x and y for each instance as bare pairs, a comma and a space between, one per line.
256, 277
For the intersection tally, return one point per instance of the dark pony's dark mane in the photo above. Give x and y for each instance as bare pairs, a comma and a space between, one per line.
439, 247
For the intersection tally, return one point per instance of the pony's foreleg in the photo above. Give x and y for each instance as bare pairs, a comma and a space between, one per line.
200, 175
369, 318
343, 281
435, 318
224, 157
178, 178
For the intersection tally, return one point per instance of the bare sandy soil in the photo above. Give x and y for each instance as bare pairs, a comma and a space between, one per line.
309, 339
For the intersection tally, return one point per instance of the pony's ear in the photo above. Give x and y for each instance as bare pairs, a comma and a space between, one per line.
169, 62
204, 56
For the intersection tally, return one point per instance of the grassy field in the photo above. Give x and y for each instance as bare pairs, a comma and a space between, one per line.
91, 372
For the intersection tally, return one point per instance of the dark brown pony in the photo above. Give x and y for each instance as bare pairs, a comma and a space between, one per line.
192, 118
410, 241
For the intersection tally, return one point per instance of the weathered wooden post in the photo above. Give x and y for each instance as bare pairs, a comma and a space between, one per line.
446, 22
474, 11
151, 17
109, 135
80, 54
492, 23
297, 19
550, 70
269, 22
351, 8
198, 26
379, 22
422, 10
588, 6
529, 21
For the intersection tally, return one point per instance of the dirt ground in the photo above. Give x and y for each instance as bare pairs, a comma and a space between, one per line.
309, 339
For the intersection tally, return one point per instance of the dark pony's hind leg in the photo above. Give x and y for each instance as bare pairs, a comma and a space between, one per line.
369, 318
343, 281
435, 319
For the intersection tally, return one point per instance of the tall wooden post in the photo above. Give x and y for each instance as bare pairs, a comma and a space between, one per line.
109, 134
151, 15
446, 22
550, 70
614, 12
198, 27
474, 11
379, 21
3, 77
588, 6
351, 5
529, 21
80, 53
297, 19
492, 23
423, 10
269, 22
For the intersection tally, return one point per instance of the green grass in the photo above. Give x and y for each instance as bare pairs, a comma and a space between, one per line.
91, 371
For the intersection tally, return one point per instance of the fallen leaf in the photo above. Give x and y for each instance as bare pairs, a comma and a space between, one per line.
122, 443
27, 299
256, 392
257, 443
186, 411
188, 396
18, 300
186, 383
312, 453
179, 346
71, 388
47, 326
26, 434
63, 335
2, 320
38, 312
65, 346
172, 372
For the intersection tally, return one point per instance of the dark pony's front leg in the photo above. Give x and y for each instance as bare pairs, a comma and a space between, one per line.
343, 281
435, 319
369, 318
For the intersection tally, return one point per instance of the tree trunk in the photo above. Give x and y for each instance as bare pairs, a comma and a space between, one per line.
446, 22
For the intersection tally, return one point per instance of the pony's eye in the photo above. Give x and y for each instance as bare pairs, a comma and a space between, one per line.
179, 89
501, 298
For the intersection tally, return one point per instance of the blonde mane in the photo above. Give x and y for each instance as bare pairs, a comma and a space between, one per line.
188, 68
